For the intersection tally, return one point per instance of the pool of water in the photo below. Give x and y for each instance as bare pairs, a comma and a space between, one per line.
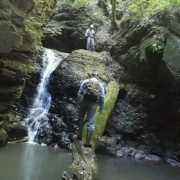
131, 169
33, 162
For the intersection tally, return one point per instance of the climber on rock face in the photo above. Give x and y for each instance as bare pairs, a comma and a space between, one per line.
90, 38
90, 96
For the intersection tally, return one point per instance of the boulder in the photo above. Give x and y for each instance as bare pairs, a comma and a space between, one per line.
106, 146
24, 5
63, 86
169, 68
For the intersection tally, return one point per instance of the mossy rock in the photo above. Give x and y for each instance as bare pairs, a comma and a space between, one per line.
89, 61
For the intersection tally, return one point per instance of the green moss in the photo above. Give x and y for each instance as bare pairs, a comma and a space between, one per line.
33, 27
35, 22
91, 61
18, 67
100, 121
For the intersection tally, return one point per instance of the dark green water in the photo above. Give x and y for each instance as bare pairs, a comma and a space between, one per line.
33, 162
127, 169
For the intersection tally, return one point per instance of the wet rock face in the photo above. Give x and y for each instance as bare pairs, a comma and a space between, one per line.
17, 42
147, 121
15, 68
12, 28
20, 24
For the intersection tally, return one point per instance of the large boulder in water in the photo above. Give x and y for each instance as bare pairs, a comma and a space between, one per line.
63, 86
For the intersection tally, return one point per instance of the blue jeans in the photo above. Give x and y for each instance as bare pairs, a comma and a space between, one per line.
90, 109
90, 42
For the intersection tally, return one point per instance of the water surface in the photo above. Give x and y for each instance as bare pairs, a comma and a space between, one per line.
129, 169
32, 162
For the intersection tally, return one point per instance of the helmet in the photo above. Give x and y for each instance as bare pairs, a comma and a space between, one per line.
91, 26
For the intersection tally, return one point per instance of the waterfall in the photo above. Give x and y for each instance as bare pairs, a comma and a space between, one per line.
42, 101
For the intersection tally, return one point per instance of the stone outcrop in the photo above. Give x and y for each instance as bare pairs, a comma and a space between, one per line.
19, 31
15, 68
13, 33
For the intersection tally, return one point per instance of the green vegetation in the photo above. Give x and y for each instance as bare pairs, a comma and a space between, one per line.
36, 21
141, 8
77, 3
155, 47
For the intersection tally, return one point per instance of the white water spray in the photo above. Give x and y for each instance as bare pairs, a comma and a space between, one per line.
39, 111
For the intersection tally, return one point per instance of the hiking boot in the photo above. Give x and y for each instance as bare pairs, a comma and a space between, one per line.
87, 48
92, 48
88, 139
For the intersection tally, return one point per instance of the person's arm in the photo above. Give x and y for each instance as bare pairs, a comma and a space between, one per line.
87, 33
80, 92
82, 87
101, 100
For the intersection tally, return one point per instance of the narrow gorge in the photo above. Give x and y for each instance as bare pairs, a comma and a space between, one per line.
43, 61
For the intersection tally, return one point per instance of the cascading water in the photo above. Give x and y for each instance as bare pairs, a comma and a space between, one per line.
42, 101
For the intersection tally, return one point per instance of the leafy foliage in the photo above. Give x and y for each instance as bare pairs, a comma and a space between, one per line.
141, 8
77, 3
155, 47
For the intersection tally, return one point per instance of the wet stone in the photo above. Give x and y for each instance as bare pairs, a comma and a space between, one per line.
139, 156
152, 158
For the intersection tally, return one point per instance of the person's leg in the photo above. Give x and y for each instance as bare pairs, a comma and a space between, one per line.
92, 44
82, 112
90, 123
88, 43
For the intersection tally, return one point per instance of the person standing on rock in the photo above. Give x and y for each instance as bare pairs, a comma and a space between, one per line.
90, 38
90, 96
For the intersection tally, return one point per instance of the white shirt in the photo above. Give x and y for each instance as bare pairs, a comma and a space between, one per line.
90, 33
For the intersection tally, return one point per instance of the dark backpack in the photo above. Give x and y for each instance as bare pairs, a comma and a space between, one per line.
92, 91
